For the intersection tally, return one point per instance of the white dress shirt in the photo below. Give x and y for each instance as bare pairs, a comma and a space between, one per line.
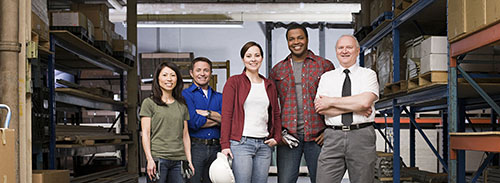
362, 80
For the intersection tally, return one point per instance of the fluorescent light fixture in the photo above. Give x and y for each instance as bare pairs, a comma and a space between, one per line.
218, 24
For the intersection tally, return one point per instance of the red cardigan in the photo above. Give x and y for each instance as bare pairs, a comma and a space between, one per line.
234, 95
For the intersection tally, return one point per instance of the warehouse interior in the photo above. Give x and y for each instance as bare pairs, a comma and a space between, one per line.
73, 74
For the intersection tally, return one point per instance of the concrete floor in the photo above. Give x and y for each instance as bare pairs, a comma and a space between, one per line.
272, 179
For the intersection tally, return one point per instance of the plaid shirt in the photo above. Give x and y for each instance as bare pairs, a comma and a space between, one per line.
282, 74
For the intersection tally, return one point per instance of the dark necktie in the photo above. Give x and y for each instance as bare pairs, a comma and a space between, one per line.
346, 91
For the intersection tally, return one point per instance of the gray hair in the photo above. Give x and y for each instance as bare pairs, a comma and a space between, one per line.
349, 35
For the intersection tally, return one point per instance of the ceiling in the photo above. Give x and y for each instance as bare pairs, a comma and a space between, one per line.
336, 11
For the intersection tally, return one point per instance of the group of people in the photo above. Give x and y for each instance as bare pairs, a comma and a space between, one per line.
329, 112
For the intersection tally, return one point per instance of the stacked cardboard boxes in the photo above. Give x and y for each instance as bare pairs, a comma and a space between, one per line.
466, 17
98, 14
434, 54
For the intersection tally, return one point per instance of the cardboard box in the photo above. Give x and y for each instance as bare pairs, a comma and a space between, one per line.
475, 14
456, 18
68, 18
492, 9
103, 8
434, 62
124, 46
50, 176
434, 44
40, 27
100, 34
8, 156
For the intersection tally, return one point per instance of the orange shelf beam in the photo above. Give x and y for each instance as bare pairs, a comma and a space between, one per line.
429, 120
475, 40
474, 141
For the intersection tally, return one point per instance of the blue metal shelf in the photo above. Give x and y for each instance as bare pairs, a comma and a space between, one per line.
422, 100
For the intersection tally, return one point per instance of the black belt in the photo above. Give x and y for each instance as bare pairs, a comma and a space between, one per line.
205, 141
351, 127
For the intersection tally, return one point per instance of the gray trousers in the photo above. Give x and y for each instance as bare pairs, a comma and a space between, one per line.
347, 150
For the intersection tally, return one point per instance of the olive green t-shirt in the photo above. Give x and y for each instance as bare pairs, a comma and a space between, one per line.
167, 125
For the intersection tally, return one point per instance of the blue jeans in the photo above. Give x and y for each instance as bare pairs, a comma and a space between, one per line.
170, 172
202, 156
288, 160
252, 159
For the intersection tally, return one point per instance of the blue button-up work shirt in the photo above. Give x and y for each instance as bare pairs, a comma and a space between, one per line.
196, 99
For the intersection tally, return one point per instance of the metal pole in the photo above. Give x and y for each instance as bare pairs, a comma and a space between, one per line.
396, 154
412, 138
52, 103
322, 49
269, 47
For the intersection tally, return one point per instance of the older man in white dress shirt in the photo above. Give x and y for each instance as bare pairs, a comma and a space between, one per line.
346, 98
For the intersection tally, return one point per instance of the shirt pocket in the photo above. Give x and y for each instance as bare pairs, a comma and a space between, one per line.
283, 82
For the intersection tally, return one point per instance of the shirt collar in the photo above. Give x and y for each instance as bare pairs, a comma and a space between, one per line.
352, 69
193, 88
309, 56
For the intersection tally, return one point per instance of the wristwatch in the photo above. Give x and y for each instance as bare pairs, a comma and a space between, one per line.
209, 113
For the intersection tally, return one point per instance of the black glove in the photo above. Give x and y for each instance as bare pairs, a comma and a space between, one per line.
186, 171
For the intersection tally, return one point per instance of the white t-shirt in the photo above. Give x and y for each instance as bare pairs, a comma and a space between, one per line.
362, 80
256, 112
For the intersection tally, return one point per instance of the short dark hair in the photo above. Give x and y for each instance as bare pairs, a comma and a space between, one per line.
177, 91
295, 25
249, 44
200, 59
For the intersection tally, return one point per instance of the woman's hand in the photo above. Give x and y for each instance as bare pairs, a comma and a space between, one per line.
227, 152
151, 169
271, 142
192, 167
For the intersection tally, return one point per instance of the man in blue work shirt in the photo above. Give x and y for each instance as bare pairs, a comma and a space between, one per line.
204, 105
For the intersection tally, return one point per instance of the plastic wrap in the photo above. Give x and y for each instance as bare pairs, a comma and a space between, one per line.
384, 62
39, 7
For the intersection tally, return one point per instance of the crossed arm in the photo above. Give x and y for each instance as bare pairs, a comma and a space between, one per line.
334, 106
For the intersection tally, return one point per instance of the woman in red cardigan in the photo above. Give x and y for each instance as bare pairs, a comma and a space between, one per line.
251, 123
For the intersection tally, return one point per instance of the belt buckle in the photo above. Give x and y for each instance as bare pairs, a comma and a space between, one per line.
346, 128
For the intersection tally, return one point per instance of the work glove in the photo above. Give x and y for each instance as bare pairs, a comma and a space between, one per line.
186, 171
289, 139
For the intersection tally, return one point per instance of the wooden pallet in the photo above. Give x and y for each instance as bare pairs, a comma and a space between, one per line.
395, 88
433, 77
402, 6
413, 83
41, 42
103, 46
78, 31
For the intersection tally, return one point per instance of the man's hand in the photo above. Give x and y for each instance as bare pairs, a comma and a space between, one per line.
202, 112
319, 140
322, 102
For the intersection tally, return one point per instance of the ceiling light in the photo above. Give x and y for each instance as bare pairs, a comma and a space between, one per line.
213, 24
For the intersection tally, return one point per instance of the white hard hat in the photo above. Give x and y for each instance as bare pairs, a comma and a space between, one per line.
220, 170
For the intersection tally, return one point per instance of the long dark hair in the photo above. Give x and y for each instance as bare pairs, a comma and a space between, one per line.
176, 93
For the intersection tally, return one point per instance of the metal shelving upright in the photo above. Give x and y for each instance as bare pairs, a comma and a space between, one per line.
489, 98
74, 54
428, 99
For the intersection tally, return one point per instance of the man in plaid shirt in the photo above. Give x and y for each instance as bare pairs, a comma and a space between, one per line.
297, 78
